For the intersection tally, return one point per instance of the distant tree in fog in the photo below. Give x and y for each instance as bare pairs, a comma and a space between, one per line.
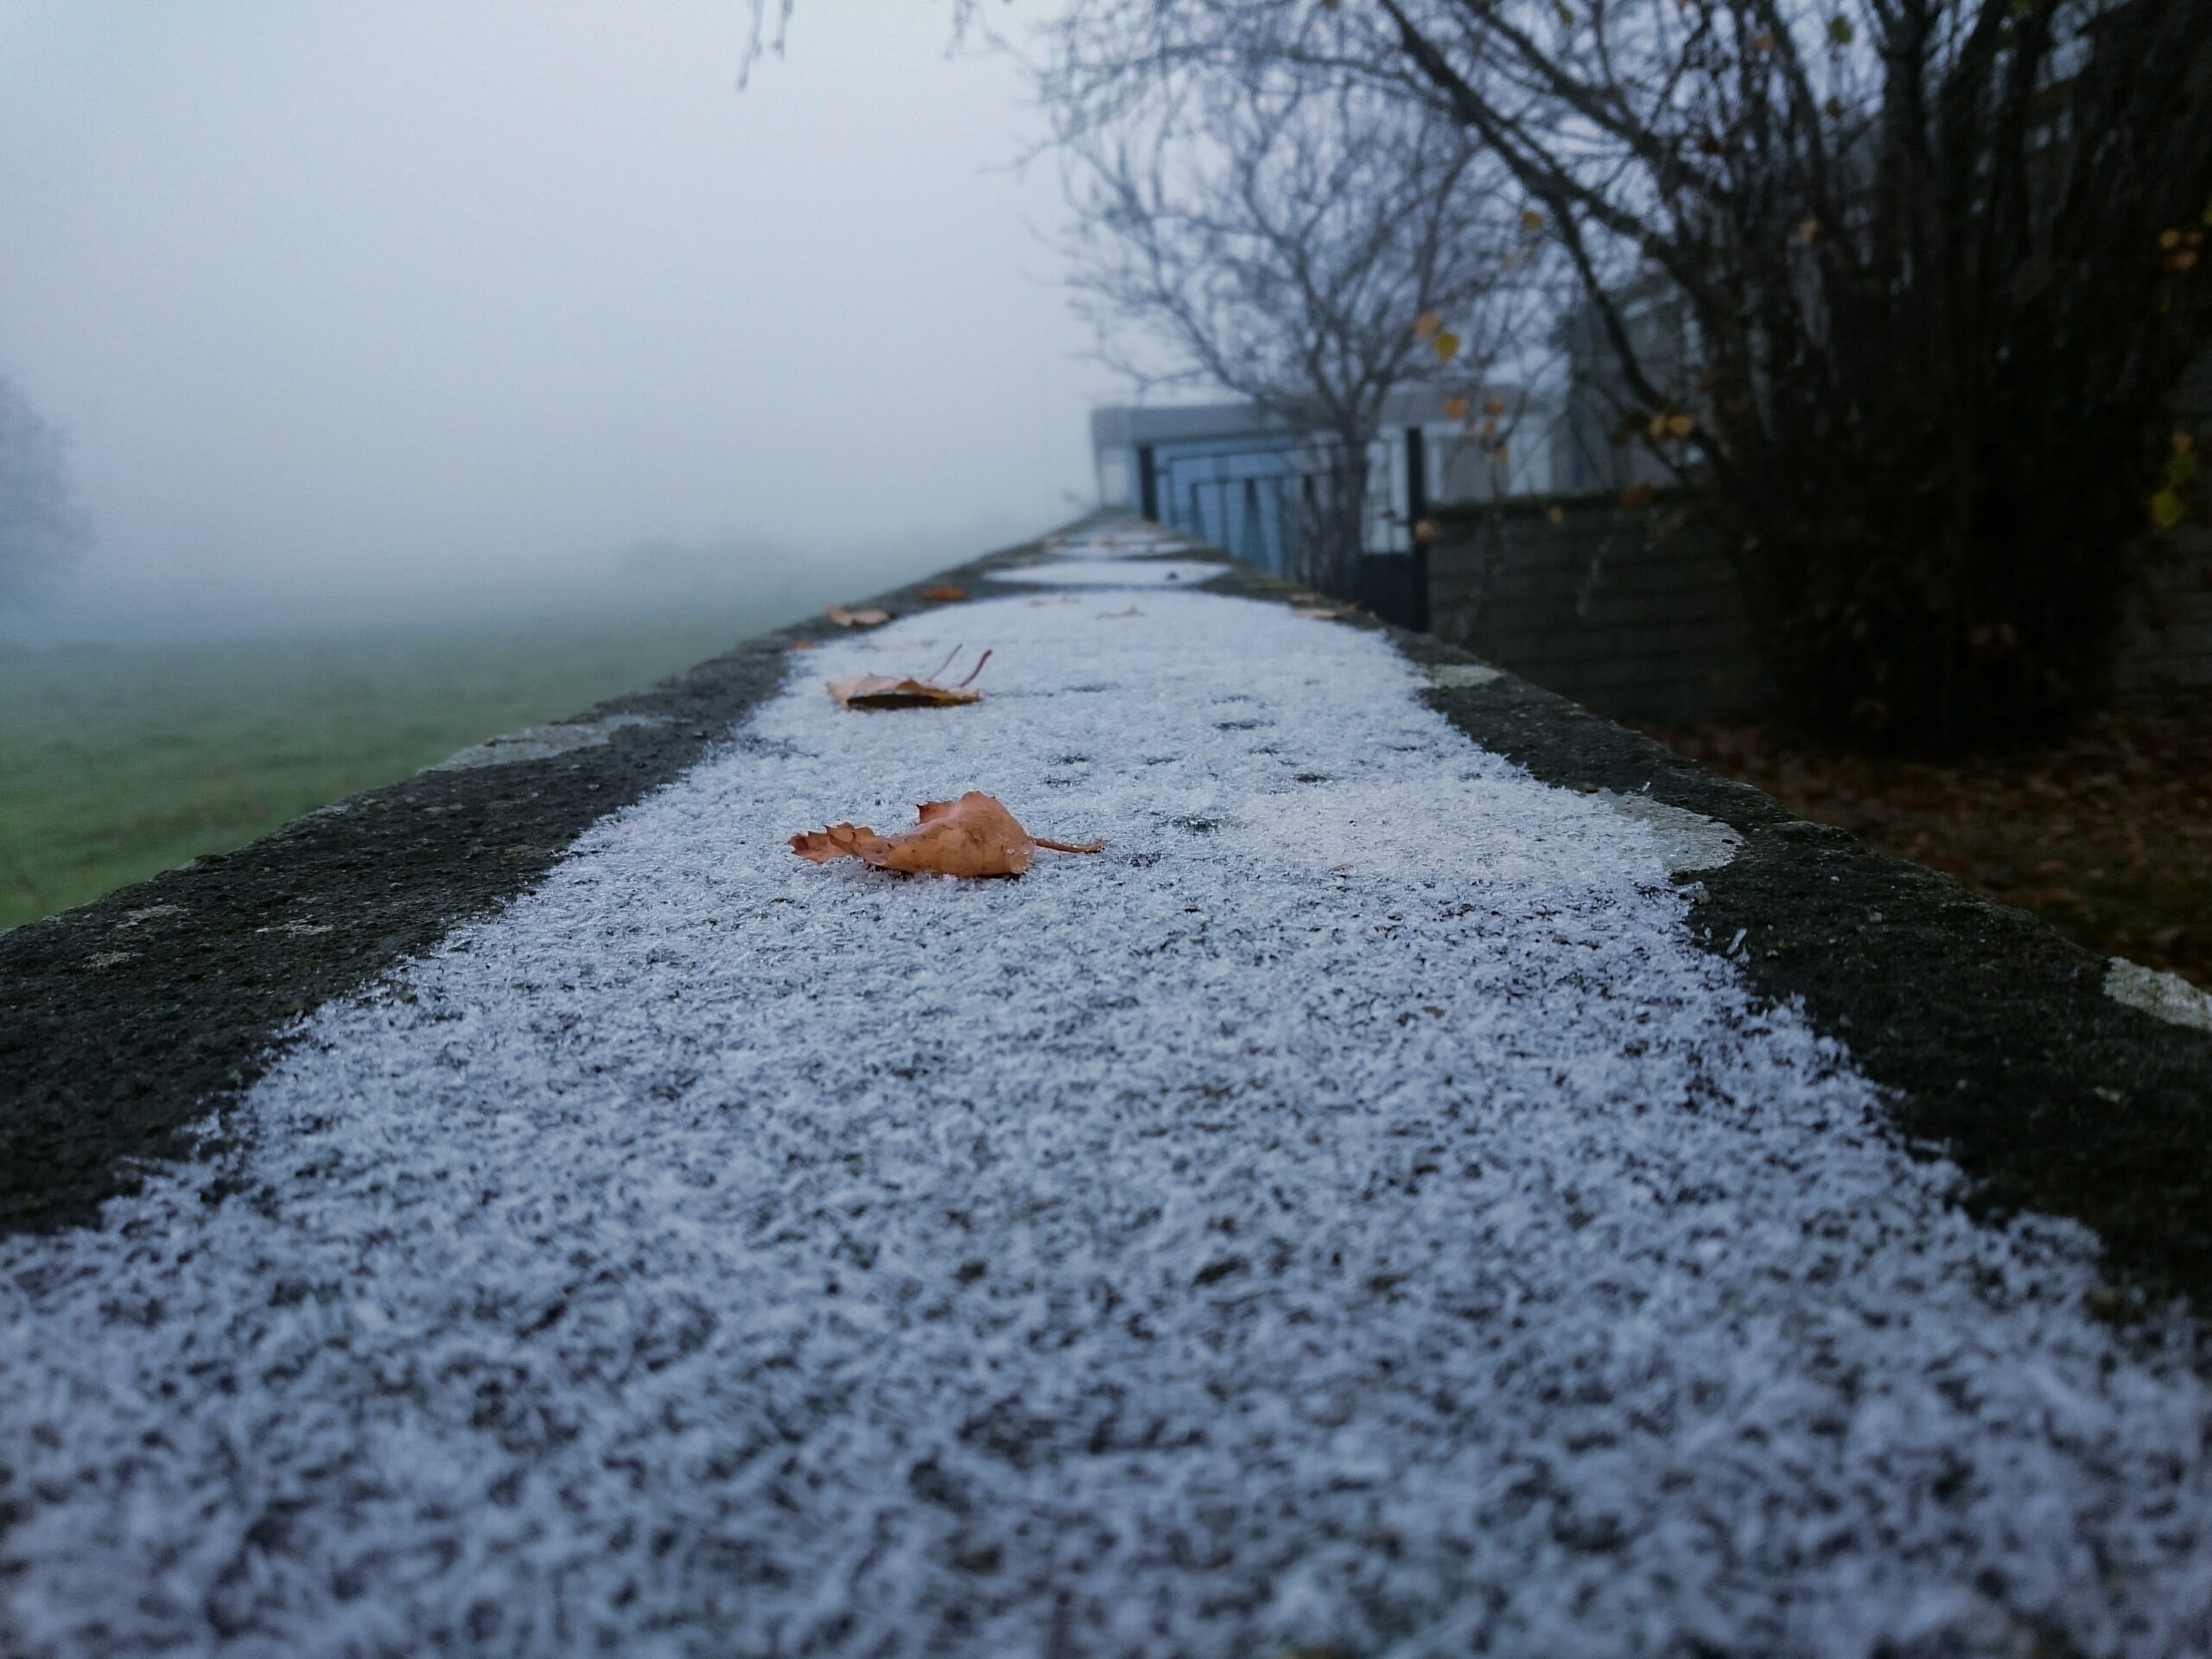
44, 527
1309, 249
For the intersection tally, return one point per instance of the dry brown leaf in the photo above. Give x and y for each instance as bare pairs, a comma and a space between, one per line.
943, 593
882, 691
845, 619
973, 836
891, 691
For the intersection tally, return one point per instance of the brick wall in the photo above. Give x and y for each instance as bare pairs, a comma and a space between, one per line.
1637, 616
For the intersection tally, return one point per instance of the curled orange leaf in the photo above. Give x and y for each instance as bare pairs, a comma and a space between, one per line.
973, 836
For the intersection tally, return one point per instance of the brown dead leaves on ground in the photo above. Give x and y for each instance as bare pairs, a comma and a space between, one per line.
864, 618
2106, 835
891, 691
973, 836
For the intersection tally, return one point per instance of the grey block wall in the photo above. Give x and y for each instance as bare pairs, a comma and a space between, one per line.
1632, 614
2166, 652
1637, 614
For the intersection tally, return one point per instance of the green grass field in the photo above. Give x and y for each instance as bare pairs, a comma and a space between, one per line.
119, 761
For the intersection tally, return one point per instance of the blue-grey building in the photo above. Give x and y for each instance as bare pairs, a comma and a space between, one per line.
1250, 484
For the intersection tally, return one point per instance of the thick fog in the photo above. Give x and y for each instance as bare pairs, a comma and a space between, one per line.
373, 308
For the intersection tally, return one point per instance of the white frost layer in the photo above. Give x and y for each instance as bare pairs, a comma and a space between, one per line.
2169, 996
1349, 1211
1073, 570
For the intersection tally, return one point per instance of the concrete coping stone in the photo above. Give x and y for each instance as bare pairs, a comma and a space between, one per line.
2059, 1082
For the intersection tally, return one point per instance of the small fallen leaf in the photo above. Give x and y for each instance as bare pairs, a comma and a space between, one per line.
973, 836
881, 692
942, 593
845, 619
888, 691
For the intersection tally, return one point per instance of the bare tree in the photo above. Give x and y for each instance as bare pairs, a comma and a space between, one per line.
1309, 249
1938, 260
42, 526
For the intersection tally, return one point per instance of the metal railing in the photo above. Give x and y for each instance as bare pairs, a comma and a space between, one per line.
1290, 511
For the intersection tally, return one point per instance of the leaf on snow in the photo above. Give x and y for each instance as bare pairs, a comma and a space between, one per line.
845, 619
973, 837
943, 593
890, 691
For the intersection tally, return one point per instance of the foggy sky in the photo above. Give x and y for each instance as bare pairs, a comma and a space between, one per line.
360, 299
